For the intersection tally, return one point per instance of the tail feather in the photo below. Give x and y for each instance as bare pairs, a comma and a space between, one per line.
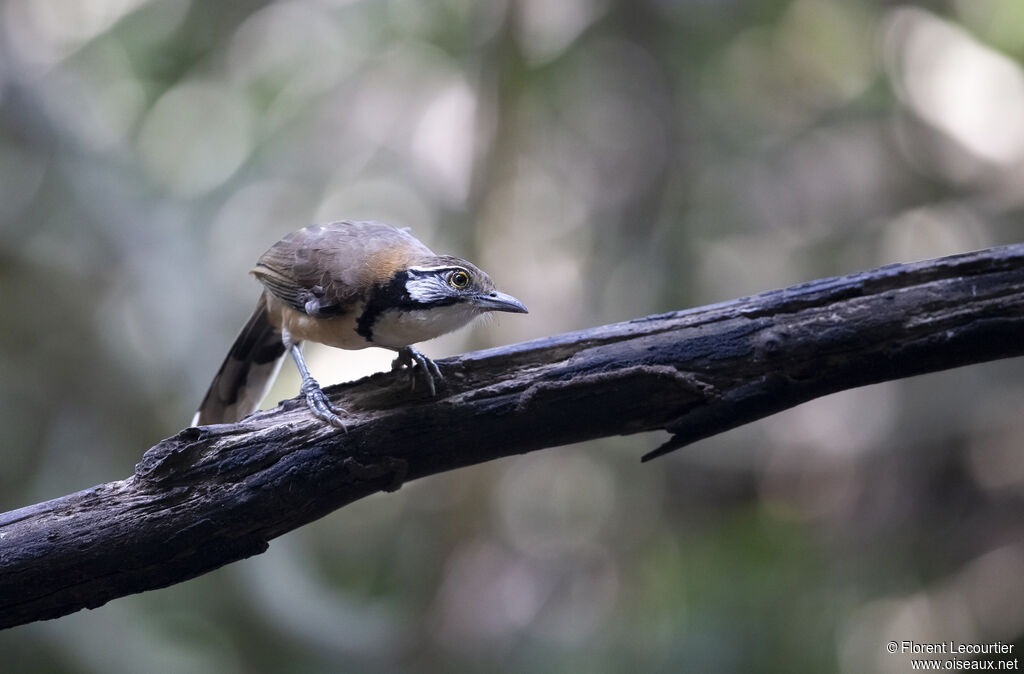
246, 373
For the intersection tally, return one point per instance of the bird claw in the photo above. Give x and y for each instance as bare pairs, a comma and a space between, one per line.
408, 357
319, 404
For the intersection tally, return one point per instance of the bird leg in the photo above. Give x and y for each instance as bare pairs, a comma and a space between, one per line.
407, 357
316, 399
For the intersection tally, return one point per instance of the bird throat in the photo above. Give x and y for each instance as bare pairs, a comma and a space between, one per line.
396, 328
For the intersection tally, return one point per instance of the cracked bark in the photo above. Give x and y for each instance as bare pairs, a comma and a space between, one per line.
213, 495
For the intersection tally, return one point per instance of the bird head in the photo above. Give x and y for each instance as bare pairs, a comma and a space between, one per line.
429, 297
447, 281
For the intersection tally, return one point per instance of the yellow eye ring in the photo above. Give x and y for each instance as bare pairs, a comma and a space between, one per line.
458, 279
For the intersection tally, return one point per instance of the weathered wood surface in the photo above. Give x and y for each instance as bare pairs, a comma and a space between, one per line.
209, 496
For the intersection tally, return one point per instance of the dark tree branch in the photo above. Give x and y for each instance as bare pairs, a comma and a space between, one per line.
209, 496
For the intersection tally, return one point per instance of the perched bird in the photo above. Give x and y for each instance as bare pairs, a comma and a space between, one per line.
349, 285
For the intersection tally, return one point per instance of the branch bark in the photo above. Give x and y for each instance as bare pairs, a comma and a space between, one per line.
213, 495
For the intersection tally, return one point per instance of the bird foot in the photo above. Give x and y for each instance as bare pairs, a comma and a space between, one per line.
407, 358
319, 405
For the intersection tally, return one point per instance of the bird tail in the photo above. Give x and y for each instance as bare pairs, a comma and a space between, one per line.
246, 373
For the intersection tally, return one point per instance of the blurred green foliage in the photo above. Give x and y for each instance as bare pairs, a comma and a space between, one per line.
602, 159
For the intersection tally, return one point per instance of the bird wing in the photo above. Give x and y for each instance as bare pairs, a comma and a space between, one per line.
323, 270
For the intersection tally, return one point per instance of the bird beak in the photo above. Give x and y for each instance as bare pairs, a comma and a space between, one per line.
495, 301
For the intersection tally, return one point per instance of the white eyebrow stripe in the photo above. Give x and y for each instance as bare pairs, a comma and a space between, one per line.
440, 268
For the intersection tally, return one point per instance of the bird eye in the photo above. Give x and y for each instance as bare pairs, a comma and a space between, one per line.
458, 279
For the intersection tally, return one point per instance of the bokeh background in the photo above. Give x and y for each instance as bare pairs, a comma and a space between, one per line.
603, 160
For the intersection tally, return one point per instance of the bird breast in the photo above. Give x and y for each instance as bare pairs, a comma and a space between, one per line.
396, 328
392, 328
